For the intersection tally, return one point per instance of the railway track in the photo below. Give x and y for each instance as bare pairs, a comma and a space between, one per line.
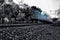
19, 25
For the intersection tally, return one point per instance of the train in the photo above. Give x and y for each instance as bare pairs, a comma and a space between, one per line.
26, 14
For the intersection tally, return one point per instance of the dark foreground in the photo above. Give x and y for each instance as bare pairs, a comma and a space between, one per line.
37, 32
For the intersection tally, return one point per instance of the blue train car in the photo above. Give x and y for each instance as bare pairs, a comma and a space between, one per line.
39, 15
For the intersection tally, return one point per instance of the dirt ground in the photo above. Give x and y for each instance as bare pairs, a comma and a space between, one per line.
37, 32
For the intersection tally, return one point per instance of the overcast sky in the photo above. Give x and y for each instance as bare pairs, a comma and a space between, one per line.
43, 4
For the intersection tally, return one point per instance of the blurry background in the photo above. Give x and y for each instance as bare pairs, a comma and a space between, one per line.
50, 6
